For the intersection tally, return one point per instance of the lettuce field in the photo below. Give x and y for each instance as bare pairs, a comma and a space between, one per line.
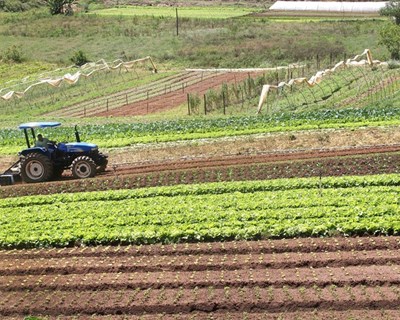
209, 212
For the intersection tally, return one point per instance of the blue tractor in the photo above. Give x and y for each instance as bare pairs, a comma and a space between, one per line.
43, 162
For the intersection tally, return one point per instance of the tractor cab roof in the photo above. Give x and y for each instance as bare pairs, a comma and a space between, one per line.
43, 124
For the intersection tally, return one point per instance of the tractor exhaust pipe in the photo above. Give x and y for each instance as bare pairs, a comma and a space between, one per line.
78, 138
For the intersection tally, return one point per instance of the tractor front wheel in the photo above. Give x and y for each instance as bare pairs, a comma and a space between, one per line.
83, 167
36, 167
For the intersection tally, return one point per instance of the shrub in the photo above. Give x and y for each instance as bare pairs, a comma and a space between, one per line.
19, 5
13, 54
390, 38
79, 58
60, 6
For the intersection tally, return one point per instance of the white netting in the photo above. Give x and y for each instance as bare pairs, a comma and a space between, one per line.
317, 78
327, 6
86, 70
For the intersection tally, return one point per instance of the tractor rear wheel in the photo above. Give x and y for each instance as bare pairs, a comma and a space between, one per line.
36, 167
83, 167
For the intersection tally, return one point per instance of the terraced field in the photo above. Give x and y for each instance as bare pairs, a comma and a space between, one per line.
108, 254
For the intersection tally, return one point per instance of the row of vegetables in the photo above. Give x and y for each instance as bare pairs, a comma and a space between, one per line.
207, 212
123, 134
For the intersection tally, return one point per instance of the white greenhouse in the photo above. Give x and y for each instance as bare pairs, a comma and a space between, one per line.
328, 6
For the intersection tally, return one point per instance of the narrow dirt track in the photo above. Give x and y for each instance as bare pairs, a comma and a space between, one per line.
295, 278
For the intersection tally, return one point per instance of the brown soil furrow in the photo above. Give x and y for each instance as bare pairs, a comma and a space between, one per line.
288, 276
199, 262
209, 171
247, 277
287, 246
250, 159
364, 314
175, 301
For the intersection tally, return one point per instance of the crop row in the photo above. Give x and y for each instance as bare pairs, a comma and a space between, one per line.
121, 134
216, 211
337, 166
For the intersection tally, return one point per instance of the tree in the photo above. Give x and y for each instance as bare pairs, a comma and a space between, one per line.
390, 38
390, 32
392, 9
60, 6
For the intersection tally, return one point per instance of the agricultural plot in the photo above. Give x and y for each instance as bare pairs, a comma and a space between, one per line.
331, 278
207, 12
109, 135
121, 245
384, 160
205, 212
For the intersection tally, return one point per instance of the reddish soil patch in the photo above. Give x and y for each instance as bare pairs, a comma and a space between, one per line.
175, 98
323, 278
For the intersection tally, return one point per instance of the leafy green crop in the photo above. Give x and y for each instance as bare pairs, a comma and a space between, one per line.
208, 212
125, 134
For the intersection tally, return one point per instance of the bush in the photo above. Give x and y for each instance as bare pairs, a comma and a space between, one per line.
79, 58
60, 6
19, 5
390, 38
13, 54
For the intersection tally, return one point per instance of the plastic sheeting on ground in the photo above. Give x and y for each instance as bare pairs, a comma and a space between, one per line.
84, 71
317, 78
328, 6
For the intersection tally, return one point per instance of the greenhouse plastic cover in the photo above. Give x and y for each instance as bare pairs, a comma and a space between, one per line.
327, 6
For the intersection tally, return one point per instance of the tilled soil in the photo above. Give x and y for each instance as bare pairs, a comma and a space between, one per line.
311, 163
330, 278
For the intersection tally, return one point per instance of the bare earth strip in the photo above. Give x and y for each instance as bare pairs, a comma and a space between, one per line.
335, 162
332, 278
175, 98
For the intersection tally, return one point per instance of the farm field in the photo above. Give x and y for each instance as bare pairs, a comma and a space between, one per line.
206, 210
330, 278
220, 12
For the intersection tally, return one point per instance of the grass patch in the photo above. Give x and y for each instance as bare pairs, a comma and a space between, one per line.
208, 12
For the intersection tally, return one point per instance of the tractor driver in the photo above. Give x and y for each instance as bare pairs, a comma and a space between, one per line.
41, 142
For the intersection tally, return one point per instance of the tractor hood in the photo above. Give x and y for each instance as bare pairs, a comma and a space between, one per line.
78, 147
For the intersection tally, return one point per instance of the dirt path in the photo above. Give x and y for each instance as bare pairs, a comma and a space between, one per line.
259, 280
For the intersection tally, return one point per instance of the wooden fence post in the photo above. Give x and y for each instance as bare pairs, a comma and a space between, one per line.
147, 101
205, 104
188, 103
223, 101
